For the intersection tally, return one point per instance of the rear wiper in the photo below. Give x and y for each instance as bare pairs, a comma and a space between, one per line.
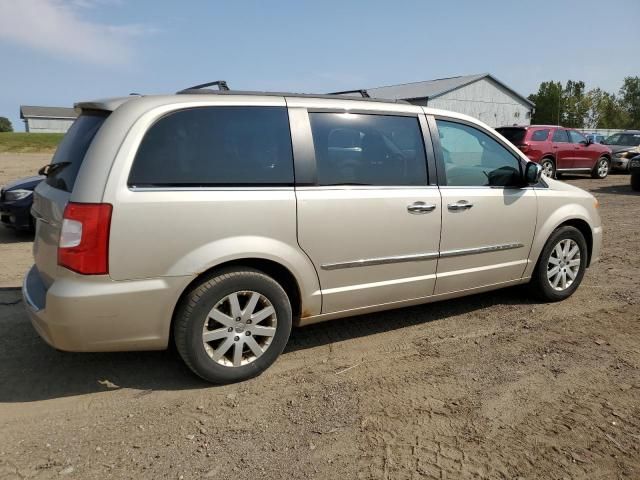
52, 167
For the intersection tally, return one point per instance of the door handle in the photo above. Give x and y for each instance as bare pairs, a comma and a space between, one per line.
420, 207
460, 205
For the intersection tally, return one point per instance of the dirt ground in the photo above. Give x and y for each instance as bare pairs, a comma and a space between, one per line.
490, 386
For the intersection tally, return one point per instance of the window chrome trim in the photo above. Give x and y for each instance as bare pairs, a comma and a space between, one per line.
257, 187
488, 249
368, 262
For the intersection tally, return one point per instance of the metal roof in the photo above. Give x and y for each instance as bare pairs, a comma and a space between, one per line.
29, 111
435, 88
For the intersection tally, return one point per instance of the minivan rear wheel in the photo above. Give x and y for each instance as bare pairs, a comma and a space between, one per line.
233, 326
561, 265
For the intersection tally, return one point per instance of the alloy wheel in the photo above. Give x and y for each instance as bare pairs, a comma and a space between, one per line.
547, 168
603, 168
239, 328
564, 264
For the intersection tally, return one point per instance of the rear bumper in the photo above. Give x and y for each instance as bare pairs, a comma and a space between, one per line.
97, 314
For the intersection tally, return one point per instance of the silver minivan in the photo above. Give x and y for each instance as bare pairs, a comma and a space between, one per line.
217, 220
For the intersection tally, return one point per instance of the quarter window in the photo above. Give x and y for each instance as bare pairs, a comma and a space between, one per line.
539, 135
473, 158
209, 146
560, 136
358, 149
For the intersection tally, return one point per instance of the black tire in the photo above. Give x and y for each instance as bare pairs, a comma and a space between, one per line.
599, 172
635, 181
548, 167
194, 309
540, 284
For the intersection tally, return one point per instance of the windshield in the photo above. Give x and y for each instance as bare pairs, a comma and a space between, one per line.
514, 135
70, 153
624, 139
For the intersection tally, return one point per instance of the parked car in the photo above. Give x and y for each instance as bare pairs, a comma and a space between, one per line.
634, 170
595, 137
559, 149
15, 203
219, 220
624, 145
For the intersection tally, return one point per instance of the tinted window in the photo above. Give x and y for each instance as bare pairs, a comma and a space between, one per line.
539, 135
560, 136
514, 135
72, 149
473, 158
368, 149
624, 139
576, 137
216, 146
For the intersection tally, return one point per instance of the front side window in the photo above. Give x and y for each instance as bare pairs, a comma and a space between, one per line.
539, 135
211, 146
560, 136
473, 158
358, 149
576, 137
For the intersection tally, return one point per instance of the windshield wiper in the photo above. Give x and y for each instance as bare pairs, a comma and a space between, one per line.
52, 167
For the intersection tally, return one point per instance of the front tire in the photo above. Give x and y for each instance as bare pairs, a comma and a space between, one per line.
233, 325
601, 168
561, 265
635, 181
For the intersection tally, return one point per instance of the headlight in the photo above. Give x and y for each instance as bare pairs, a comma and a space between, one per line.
19, 194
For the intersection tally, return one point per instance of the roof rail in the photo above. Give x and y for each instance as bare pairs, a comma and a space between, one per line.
221, 84
362, 92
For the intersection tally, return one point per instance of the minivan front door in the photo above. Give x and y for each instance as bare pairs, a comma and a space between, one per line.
368, 219
487, 226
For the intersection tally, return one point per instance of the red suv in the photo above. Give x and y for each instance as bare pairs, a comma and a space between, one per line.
560, 149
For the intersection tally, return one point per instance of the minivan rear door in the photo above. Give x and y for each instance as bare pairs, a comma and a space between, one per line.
52, 195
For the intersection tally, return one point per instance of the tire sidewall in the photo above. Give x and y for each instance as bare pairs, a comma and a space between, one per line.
561, 233
235, 282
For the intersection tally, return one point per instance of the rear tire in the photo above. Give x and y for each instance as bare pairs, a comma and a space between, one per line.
601, 168
548, 167
561, 265
635, 181
233, 325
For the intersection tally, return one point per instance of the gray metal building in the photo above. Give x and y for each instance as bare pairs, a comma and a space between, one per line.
481, 96
47, 119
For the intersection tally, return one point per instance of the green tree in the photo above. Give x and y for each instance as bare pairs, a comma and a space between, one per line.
575, 105
548, 102
630, 100
605, 110
5, 125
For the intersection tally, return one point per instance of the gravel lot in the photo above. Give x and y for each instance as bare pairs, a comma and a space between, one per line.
490, 386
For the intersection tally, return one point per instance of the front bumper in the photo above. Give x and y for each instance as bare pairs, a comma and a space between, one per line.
619, 163
597, 244
16, 214
96, 314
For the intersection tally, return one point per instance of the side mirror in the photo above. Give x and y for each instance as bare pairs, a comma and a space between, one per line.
532, 173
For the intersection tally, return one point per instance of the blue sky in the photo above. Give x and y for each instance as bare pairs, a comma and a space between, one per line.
55, 52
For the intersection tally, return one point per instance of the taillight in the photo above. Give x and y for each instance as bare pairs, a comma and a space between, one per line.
84, 238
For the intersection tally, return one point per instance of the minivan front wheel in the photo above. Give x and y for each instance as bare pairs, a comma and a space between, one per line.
601, 168
561, 265
233, 326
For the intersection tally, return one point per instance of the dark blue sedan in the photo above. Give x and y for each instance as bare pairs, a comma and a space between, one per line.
15, 203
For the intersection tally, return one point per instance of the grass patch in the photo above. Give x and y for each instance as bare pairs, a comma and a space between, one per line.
20, 142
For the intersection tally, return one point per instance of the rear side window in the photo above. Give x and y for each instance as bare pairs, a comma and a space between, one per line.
216, 146
514, 135
70, 153
539, 135
560, 136
359, 149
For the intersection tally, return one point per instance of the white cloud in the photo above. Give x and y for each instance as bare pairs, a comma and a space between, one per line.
57, 27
